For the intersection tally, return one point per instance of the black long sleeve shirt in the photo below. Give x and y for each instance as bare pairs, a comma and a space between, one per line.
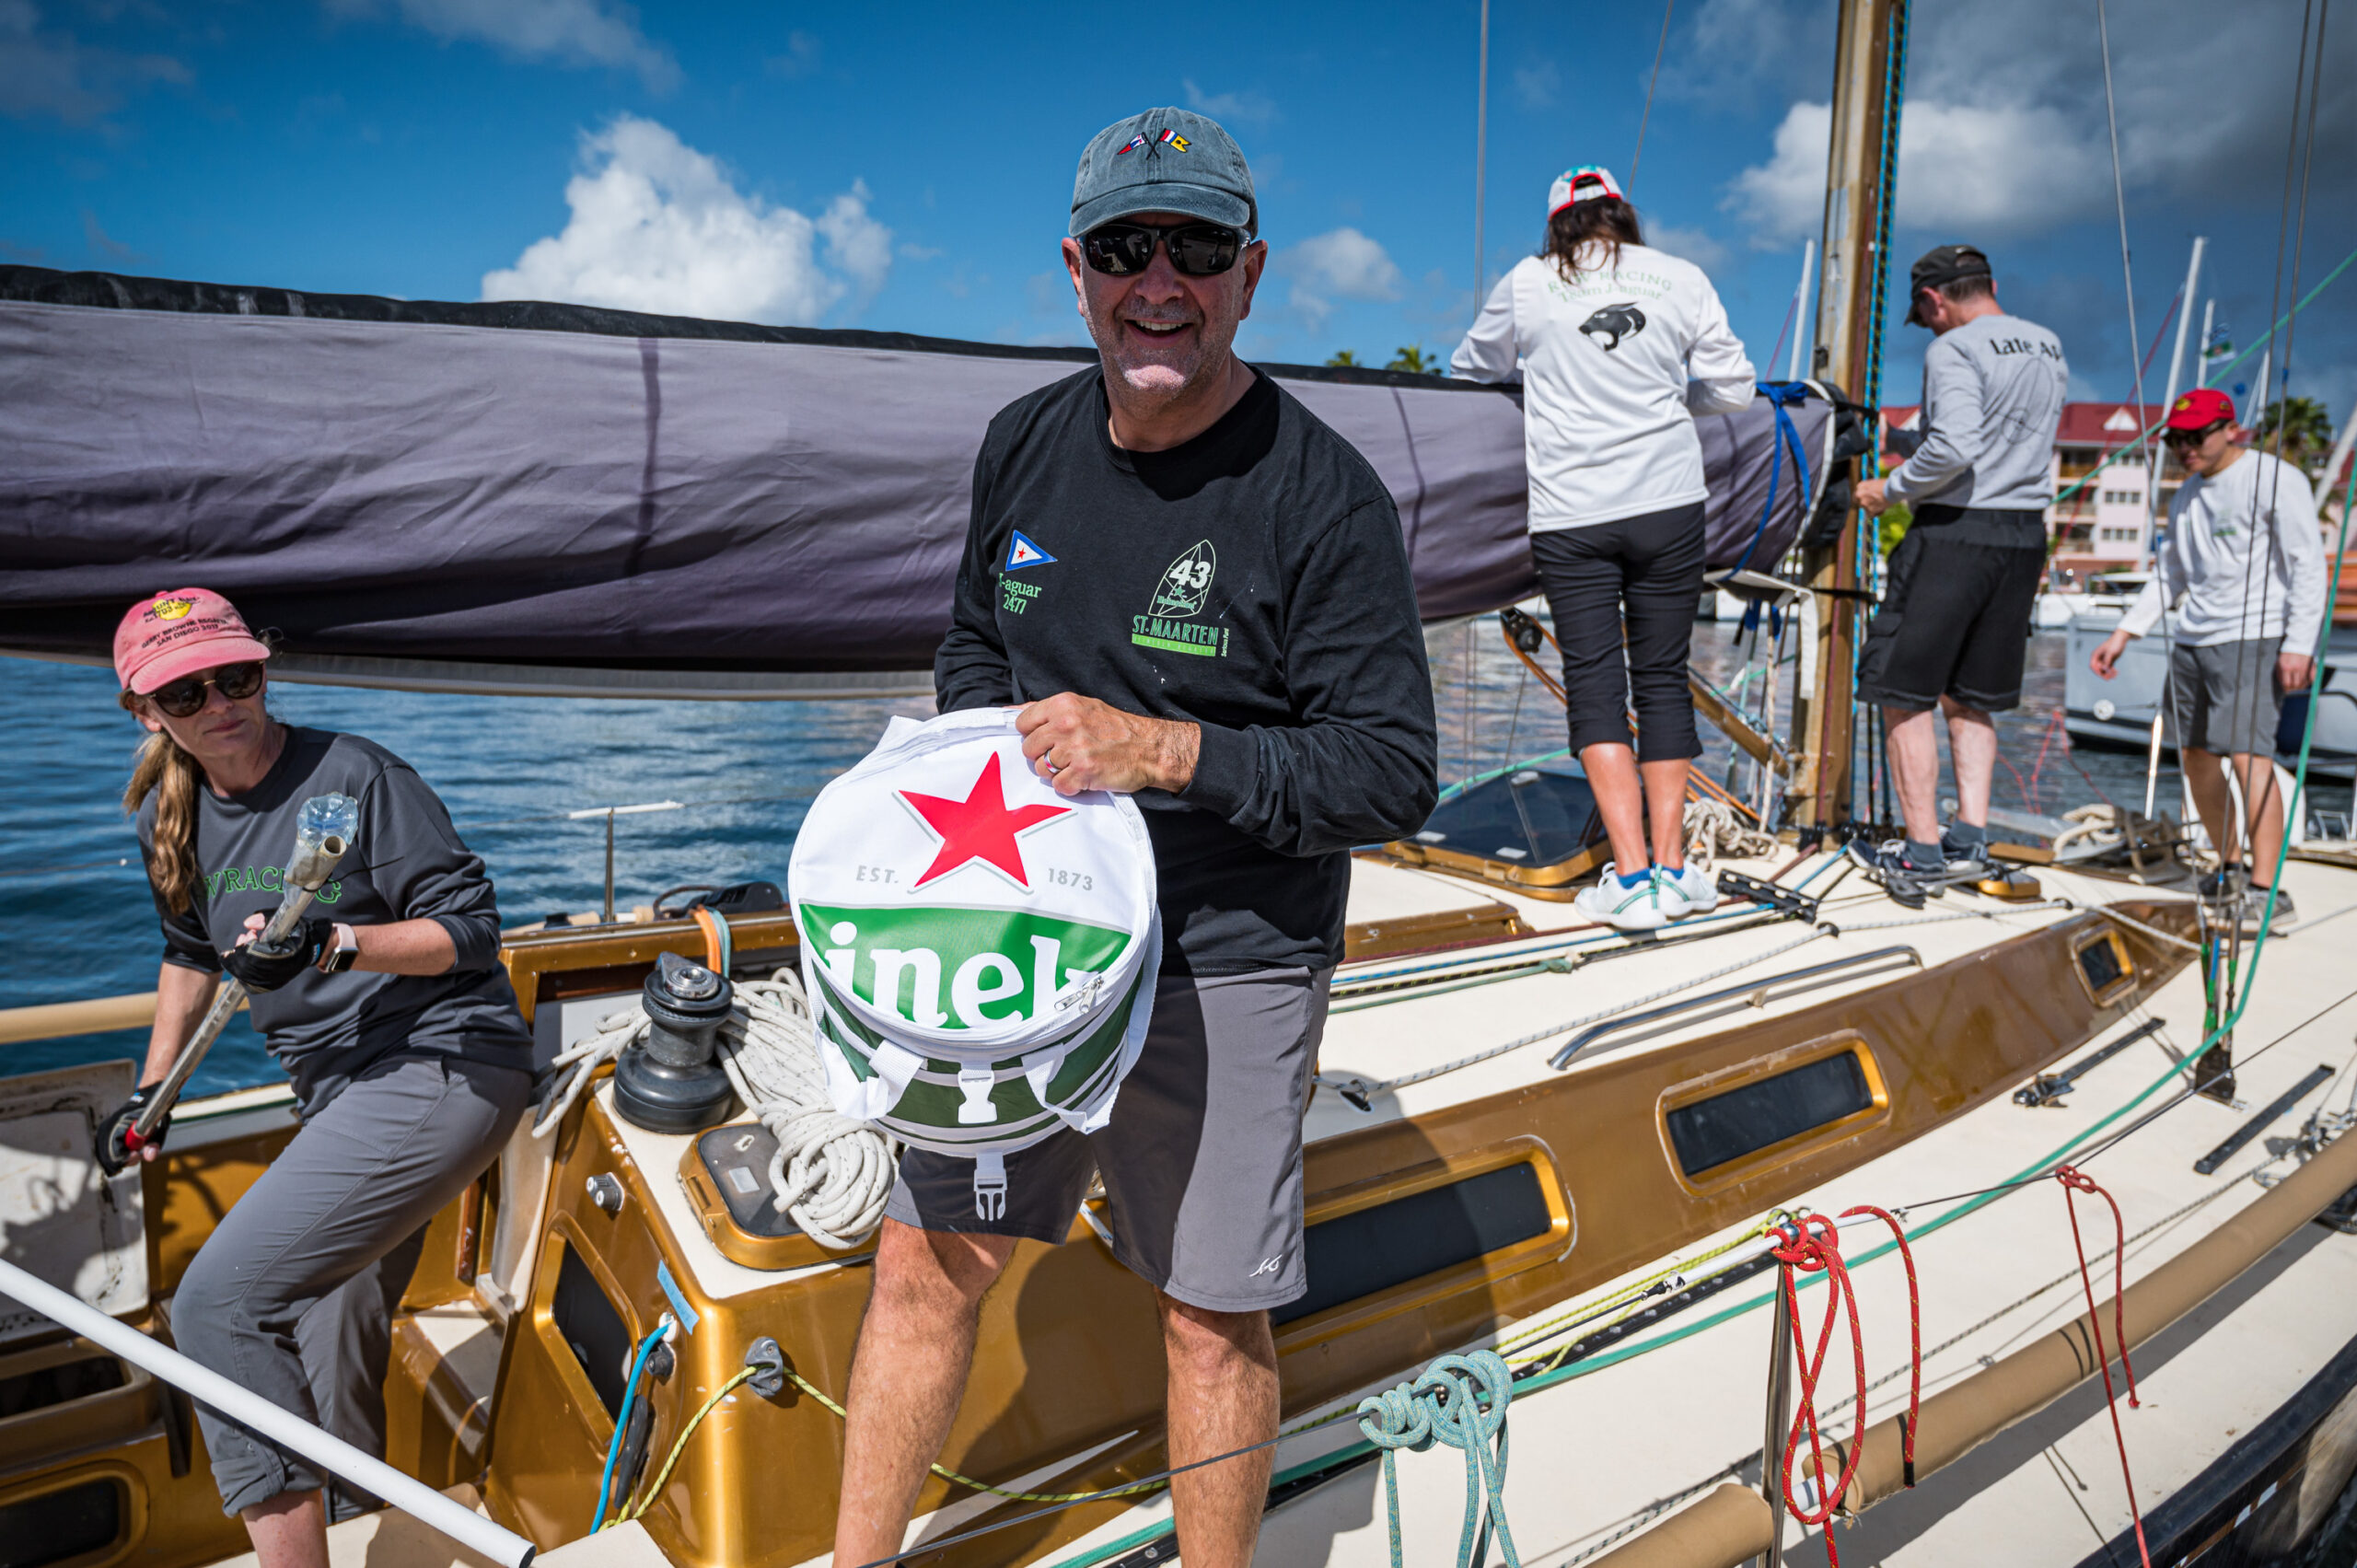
406, 863
1252, 581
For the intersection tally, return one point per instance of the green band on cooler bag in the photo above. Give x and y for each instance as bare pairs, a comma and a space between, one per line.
982, 952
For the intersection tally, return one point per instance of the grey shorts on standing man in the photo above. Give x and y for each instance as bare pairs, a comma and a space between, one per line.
2222, 697
1201, 1162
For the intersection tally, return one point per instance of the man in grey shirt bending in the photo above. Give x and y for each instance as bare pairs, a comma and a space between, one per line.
1954, 624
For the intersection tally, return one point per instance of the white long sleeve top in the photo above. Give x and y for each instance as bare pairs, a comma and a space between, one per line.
2258, 503
1993, 395
1616, 363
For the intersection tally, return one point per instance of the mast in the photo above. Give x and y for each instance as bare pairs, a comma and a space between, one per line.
2152, 470
1861, 176
1800, 316
1480, 155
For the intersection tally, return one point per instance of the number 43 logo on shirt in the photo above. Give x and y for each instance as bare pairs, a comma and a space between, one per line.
1186, 583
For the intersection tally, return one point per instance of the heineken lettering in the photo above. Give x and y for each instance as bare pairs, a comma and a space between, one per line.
904, 961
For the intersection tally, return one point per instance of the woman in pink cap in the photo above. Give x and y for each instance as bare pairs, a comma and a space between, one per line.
409, 1060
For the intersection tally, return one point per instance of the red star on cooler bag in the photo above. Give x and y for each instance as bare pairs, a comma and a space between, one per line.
980, 827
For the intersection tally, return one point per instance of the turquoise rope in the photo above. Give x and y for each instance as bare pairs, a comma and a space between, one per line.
1445, 1404
621, 1420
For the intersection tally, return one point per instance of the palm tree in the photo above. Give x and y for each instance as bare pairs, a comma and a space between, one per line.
1343, 360
1414, 360
2306, 429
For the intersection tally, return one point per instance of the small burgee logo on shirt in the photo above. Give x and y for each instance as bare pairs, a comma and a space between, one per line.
1021, 552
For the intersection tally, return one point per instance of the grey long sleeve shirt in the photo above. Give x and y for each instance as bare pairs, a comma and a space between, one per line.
1993, 397
406, 863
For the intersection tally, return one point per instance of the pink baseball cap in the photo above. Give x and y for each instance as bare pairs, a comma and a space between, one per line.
178, 634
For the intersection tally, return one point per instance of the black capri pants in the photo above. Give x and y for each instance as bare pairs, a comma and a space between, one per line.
1635, 578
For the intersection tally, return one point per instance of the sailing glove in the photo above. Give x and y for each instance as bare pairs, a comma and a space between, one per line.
115, 1148
260, 970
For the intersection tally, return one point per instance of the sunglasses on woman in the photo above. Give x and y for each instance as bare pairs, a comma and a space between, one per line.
184, 698
1197, 250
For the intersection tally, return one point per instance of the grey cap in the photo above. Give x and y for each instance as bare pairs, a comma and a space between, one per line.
1166, 160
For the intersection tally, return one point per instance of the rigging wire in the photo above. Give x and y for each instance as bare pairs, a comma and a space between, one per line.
1651, 82
2127, 269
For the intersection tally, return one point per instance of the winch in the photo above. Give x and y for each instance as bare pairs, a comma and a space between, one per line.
672, 1081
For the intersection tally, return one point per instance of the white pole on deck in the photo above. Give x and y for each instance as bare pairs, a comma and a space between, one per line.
2168, 398
1804, 319
2202, 360
285, 1428
2340, 449
2256, 407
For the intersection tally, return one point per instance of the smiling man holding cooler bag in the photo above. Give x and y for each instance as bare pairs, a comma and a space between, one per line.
1199, 597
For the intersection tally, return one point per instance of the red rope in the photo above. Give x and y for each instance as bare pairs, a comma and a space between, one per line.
1914, 1332
2074, 1181
1807, 1247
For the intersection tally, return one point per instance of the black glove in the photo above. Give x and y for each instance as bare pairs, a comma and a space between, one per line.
260, 970
115, 1149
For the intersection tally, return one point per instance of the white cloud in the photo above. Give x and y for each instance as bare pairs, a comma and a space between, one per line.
658, 225
570, 32
1246, 108
1993, 169
1695, 245
1341, 263
2004, 129
1534, 83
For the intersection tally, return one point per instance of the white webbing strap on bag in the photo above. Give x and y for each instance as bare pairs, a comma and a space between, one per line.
980, 951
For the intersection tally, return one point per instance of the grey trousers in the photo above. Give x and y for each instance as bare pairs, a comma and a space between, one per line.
293, 1296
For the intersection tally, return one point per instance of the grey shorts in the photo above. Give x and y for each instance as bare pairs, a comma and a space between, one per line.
1202, 1161
2222, 697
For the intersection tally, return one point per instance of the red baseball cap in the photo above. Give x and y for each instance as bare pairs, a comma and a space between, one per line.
180, 632
2199, 409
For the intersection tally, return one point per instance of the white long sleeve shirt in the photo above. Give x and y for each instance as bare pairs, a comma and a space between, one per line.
2258, 503
1615, 366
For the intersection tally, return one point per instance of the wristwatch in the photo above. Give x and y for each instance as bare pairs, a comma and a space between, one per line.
345, 953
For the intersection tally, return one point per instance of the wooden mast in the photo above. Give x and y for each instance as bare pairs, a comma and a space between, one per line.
1860, 178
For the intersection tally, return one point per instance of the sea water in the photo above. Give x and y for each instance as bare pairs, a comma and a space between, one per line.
76, 920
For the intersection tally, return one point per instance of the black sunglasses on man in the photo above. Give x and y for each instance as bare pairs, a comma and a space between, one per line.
1197, 250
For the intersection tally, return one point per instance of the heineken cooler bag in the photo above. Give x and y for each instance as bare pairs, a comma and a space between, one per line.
980, 952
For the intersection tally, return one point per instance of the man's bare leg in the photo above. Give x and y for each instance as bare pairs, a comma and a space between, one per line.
1665, 805
289, 1531
1915, 771
1222, 1396
2263, 809
1972, 749
907, 1378
2213, 802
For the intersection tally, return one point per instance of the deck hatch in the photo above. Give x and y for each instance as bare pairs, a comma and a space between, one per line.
591, 1328
1716, 1131
2104, 967
80, 1520
39, 1388
1376, 1249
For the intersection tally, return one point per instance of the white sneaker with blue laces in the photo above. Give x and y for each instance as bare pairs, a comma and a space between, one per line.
1623, 908
1687, 890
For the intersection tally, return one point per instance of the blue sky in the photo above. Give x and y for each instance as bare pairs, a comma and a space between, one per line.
909, 167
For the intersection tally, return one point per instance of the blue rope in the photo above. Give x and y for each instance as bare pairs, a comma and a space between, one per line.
621, 1420
1445, 1404
1781, 396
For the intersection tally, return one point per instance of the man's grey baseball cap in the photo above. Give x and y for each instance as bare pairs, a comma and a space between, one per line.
1166, 160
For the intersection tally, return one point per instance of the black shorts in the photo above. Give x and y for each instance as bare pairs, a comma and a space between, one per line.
1954, 616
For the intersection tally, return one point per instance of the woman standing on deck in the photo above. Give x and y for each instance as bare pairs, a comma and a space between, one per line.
409, 1060
1620, 346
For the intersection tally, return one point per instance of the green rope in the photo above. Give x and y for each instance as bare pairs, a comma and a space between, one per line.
1445, 1404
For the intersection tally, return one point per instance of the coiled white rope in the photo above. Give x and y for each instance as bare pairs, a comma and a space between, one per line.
1713, 828
831, 1173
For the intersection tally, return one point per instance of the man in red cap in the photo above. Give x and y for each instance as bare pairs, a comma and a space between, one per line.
2245, 549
